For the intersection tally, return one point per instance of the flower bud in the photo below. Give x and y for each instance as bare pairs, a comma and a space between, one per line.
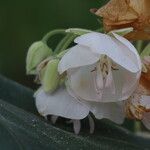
50, 76
37, 52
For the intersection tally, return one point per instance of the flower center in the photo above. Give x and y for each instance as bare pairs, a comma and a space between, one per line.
104, 66
103, 74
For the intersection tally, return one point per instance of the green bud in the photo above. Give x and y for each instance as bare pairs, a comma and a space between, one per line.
78, 31
50, 76
37, 52
121, 32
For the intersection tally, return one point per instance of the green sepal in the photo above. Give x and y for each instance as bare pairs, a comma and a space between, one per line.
146, 51
37, 52
49, 76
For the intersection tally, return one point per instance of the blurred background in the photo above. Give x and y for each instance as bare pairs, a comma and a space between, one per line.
24, 21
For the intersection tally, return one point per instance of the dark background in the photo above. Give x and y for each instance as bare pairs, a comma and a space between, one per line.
25, 21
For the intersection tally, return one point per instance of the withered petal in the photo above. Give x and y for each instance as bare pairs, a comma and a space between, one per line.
145, 82
138, 35
117, 10
119, 14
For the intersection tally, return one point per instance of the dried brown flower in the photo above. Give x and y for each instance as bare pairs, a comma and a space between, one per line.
145, 76
127, 13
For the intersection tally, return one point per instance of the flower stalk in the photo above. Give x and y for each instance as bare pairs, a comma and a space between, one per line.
64, 43
139, 46
52, 33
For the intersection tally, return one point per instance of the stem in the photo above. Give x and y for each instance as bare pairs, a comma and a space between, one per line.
137, 126
139, 46
64, 43
52, 33
68, 42
100, 30
61, 43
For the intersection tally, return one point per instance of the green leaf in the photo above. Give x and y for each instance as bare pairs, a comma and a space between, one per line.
21, 129
29, 131
17, 94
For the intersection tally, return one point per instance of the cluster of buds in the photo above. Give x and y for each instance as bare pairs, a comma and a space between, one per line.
42, 62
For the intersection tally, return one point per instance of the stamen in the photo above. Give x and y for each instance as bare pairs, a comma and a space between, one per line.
99, 78
95, 81
109, 79
91, 124
54, 119
102, 75
76, 126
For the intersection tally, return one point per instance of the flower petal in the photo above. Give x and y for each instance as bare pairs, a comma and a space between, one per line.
60, 104
81, 82
130, 84
112, 111
103, 44
145, 101
77, 56
131, 48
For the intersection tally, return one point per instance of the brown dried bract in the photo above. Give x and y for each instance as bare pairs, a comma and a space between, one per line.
145, 77
119, 14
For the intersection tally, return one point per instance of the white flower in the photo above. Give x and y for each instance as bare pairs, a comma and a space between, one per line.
62, 104
101, 68
102, 71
